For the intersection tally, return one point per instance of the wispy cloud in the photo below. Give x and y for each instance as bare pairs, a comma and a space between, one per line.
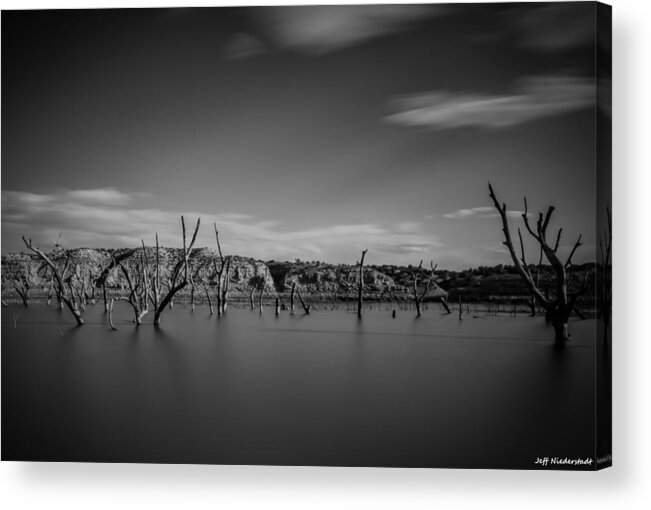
481, 212
112, 218
105, 196
243, 45
533, 98
319, 29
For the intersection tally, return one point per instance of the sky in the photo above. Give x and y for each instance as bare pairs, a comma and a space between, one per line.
301, 132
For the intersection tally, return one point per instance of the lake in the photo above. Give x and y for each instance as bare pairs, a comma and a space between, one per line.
324, 389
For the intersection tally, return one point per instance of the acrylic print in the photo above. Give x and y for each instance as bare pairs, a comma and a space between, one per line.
324, 235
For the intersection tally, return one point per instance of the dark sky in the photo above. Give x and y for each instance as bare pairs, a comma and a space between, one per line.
309, 132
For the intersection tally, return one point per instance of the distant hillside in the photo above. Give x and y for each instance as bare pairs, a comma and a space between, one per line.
316, 280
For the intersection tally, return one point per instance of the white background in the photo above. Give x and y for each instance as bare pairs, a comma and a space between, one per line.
626, 485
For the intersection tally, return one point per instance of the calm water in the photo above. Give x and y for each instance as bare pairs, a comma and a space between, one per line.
324, 389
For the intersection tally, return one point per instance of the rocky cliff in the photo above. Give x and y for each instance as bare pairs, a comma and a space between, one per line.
246, 274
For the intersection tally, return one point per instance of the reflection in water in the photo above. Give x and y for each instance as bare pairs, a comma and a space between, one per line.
325, 389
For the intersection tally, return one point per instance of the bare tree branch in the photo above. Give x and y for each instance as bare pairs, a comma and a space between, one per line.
560, 308
175, 284
59, 277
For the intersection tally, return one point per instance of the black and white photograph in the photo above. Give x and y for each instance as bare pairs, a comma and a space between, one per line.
320, 235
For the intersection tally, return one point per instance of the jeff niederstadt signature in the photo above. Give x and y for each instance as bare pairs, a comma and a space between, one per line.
563, 461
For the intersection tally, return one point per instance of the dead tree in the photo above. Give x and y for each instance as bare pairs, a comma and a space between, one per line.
251, 300
154, 277
532, 298
212, 311
105, 272
559, 308
91, 279
192, 288
445, 304
360, 285
226, 282
193, 277
46, 273
260, 296
50, 289
77, 283
306, 307
202, 278
223, 279
257, 283
67, 297
605, 285
291, 297
23, 284
169, 284
74, 286
136, 276
180, 275
110, 316
418, 297
106, 305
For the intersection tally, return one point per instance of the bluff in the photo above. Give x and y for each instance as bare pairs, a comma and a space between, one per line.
314, 279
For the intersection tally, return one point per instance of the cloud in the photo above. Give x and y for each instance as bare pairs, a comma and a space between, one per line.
113, 219
242, 45
106, 196
481, 212
557, 27
320, 29
533, 98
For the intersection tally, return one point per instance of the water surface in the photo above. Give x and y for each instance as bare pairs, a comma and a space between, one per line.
324, 389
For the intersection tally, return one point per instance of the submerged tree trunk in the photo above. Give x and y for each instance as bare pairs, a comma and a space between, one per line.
360, 288
209, 302
306, 308
110, 316
561, 333
74, 311
138, 313
226, 284
106, 305
50, 290
222, 285
24, 296
418, 297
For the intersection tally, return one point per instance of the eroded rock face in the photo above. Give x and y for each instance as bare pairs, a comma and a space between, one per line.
87, 263
342, 281
313, 279
336, 279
